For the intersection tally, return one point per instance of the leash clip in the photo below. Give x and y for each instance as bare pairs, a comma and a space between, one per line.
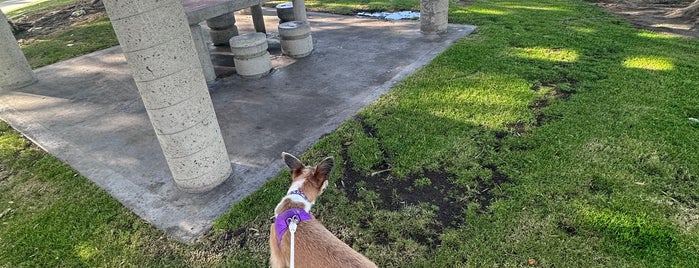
293, 220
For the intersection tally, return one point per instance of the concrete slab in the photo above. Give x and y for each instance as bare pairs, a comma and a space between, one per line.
87, 112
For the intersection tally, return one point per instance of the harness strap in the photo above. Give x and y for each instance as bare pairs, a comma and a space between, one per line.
292, 230
282, 222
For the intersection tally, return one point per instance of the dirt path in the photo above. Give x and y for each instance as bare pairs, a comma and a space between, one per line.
652, 17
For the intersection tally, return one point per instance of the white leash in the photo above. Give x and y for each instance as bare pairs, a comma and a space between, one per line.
292, 229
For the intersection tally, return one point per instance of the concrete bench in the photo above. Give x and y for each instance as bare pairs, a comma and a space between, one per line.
198, 11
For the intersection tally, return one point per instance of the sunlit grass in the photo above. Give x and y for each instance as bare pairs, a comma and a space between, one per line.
649, 63
580, 29
488, 11
532, 7
655, 35
549, 54
594, 156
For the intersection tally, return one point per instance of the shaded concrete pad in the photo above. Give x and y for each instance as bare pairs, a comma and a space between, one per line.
87, 112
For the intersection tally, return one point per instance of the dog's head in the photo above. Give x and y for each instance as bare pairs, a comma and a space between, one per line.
310, 180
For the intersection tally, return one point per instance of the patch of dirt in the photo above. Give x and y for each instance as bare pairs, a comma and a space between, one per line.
54, 20
435, 188
559, 90
654, 17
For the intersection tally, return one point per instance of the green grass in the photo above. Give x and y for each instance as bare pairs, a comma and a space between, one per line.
38, 6
79, 40
603, 174
556, 134
53, 217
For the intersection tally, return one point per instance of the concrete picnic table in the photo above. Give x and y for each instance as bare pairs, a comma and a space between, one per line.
220, 13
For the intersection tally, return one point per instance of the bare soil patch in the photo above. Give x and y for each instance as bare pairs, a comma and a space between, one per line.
432, 188
654, 17
55, 20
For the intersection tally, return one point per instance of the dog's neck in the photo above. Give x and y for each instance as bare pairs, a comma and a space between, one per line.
295, 198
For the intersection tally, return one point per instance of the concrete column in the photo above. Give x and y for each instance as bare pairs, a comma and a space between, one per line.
300, 10
15, 71
160, 52
433, 16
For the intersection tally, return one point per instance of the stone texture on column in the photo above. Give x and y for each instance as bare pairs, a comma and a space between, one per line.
433, 16
299, 7
222, 29
160, 52
15, 71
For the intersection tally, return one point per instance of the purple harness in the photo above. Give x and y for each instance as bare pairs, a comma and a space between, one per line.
281, 223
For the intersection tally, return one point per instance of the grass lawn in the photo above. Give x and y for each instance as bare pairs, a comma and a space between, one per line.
38, 5
80, 39
556, 135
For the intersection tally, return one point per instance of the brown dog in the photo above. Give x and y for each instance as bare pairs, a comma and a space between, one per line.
314, 246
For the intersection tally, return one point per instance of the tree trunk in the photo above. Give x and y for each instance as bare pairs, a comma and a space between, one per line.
688, 12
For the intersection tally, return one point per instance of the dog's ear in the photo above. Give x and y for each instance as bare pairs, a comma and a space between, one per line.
323, 170
292, 162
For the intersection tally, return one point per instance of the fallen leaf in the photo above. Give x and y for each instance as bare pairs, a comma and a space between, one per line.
531, 262
6, 212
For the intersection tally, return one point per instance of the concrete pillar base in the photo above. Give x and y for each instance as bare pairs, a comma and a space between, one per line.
434, 16
250, 55
285, 12
15, 71
19, 85
296, 40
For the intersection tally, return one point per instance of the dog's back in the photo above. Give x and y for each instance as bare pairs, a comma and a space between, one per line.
315, 246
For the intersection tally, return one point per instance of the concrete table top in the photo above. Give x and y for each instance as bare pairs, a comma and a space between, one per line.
201, 10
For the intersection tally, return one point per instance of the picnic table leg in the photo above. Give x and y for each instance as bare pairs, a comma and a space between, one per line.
203, 51
299, 10
162, 57
258, 19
